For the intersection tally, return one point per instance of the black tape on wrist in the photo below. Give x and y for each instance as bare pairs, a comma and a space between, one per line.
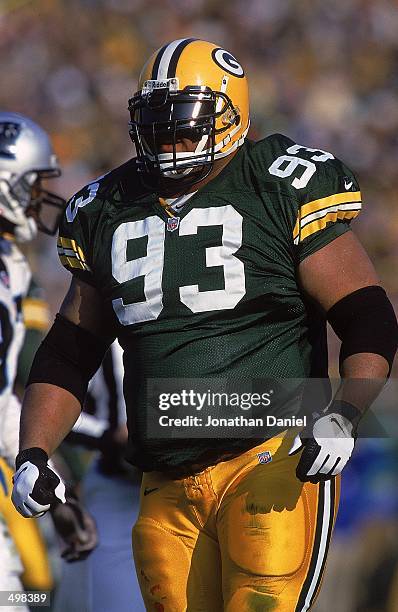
347, 410
68, 357
365, 322
35, 455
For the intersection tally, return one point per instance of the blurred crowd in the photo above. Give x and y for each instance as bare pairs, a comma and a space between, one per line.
324, 73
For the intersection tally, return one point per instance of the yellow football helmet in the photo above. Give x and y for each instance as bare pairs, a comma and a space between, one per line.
189, 89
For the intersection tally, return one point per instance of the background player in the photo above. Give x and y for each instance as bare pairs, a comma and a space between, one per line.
26, 159
284, 210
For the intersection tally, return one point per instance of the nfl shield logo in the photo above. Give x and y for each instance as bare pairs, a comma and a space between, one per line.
264, 457
173, 223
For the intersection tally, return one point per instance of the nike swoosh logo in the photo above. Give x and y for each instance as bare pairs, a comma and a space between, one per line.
147, 491
333, 420
348, 185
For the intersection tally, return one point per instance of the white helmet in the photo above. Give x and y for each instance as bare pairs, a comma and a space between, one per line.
26, 156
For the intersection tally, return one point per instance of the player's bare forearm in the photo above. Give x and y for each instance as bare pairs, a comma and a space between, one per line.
363, 377
48, 414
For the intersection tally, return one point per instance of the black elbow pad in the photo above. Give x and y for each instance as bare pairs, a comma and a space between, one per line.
68, 357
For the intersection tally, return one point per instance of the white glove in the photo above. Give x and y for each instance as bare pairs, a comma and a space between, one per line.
36, 485
327, 444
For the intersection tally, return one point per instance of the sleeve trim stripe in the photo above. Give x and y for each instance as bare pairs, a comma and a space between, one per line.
66, 242
320, 224
70, 254
73, 262
337, 198
66, 245
66, 252
321, 213
346, 204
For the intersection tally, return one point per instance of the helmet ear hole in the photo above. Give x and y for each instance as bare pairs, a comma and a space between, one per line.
236, 112
231, 116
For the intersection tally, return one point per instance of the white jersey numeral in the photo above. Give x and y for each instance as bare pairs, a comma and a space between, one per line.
151, 265
285, 165
76, 203
223, 255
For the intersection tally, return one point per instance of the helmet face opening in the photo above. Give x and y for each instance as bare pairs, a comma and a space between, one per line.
164, 117
45, 206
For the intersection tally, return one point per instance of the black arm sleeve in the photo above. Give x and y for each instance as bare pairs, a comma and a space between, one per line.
365, 322
68, 357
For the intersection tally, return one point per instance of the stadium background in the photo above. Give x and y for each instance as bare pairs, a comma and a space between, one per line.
324, 73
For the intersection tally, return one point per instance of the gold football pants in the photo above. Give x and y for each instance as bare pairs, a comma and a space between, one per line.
241, 536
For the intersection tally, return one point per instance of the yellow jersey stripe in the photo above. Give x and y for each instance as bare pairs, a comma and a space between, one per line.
80, 254
337, 198
322, 213
64, 242
312, 210
71, 254
68, 243
331, 217
73, 262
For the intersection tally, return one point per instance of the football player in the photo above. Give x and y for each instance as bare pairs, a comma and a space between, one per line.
26, 160
213, 257
26, 157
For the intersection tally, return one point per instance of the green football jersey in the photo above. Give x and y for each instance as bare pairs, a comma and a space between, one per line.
211, 292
